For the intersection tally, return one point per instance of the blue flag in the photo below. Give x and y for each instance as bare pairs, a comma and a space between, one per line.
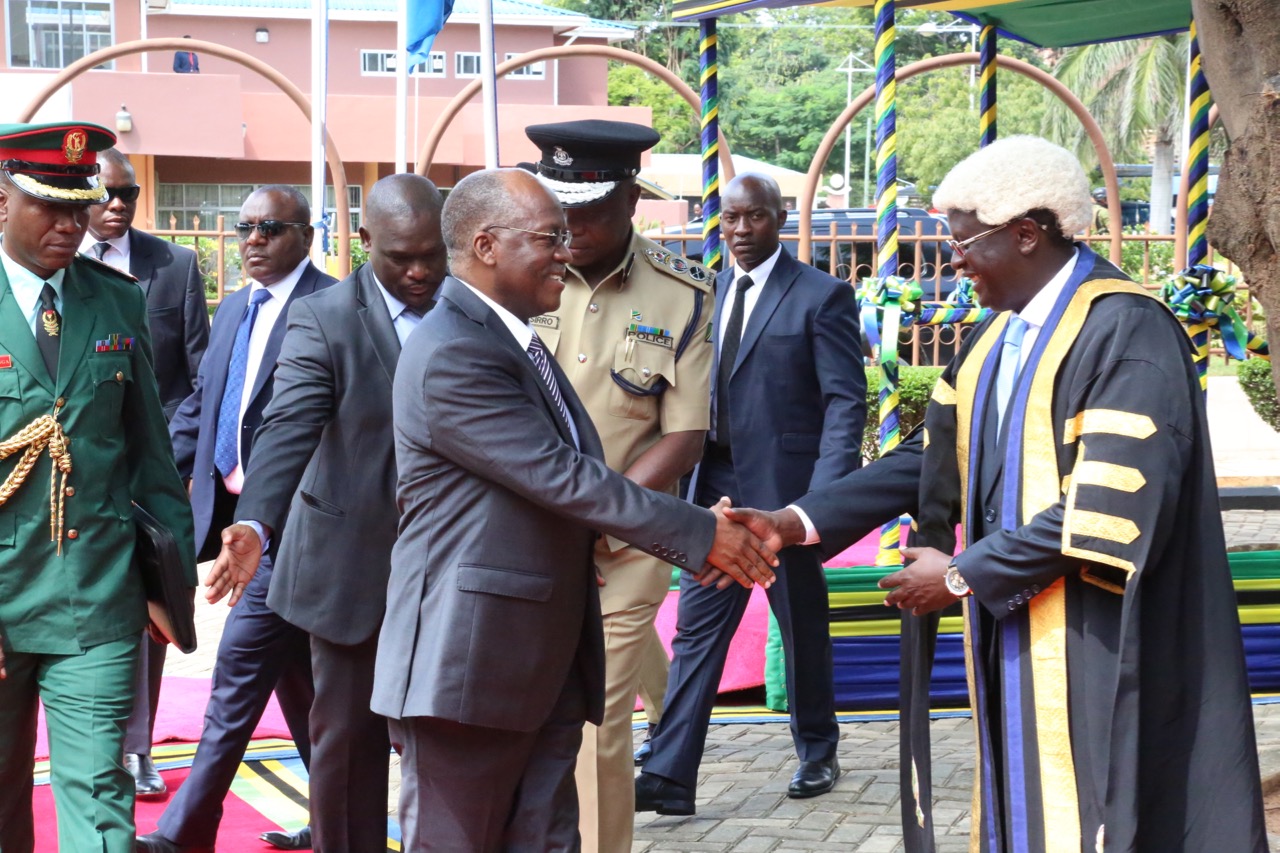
426, 20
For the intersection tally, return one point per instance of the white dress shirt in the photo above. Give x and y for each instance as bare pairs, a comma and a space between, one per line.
1035, 314
268, 313
759, 276
404, 320
26, 286
117, 255
523, 333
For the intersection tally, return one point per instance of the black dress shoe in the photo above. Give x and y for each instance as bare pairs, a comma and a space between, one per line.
300, 840
146, 780
814, 778
646, 748
657, 794
157, 843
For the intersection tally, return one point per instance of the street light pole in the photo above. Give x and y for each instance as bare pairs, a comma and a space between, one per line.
853, 65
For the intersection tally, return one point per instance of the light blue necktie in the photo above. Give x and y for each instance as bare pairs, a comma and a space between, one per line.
1010, 363
226, 448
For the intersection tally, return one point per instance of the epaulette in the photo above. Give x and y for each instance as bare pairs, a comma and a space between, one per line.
681, 268
103, 266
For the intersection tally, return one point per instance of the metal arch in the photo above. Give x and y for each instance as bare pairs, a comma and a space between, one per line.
295, 94
451, 110
805, 202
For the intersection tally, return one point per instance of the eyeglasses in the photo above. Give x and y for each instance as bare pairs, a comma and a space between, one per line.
268, 228
563, 238
958, 247
126, 194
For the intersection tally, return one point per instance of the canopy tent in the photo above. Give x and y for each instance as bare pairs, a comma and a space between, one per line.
1045, 23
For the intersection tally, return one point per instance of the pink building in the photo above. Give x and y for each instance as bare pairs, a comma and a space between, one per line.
201, 142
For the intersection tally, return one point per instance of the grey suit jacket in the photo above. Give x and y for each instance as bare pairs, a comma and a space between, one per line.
176, 312
493, 595
323, 474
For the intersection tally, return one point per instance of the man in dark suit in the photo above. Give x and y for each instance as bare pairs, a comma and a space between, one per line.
491, 656
213, 433
179, 321
186, 61
325, 460
788, 406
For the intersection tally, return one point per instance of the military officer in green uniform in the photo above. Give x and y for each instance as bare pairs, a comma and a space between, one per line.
631, 334
82, 435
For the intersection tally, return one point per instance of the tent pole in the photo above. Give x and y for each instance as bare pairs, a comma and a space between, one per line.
711, 251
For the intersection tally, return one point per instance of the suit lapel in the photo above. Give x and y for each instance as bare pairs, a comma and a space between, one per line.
471, 305
19, 341
142, 265
377, 321
784, 274
78, 321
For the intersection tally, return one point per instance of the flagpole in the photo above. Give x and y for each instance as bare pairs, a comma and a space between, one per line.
402, 85
488, 83
319, 97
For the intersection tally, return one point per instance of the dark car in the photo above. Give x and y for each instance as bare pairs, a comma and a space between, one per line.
922, 250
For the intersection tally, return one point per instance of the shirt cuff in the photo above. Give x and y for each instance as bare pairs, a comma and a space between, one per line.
811, 536
262, 533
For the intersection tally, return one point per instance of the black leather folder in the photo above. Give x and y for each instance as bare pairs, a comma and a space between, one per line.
168, 594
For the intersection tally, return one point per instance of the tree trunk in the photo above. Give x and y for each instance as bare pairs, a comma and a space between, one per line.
1240, 42
1162, 185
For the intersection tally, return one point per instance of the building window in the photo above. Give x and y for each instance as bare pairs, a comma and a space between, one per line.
536, 71
466, 64
55, 33
374, 63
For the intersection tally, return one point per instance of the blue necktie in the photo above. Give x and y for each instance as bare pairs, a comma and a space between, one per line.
1010, 362
226, 449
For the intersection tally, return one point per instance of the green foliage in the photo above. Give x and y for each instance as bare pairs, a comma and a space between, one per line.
1131, 253
915, 384
358, 254
937, 128
207, 260
672, 116
1259, 387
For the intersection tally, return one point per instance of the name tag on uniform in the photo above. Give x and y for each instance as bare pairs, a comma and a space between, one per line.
651, 335
6, 361
114, 343
546, 321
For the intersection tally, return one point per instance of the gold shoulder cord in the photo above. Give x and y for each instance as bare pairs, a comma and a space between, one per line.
44, 431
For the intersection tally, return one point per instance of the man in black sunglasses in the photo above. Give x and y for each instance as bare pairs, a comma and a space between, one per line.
179, 319
213, 436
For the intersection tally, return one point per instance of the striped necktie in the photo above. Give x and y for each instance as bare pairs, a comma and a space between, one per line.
538, 353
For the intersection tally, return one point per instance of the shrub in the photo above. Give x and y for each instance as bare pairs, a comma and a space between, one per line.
1255, 380
915, 384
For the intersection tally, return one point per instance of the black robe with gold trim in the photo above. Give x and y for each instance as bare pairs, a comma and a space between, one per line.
1106, 668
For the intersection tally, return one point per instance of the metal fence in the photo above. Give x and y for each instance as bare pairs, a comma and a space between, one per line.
1147, 259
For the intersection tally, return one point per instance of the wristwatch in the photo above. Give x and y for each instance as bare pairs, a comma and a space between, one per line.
955, 584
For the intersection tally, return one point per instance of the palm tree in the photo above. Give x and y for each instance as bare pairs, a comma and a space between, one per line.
1136, 91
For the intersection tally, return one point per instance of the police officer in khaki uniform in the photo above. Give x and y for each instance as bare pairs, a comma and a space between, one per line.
631, 334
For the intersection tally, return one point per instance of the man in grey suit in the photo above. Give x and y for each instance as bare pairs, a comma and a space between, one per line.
179, 320
325, 462
491, 655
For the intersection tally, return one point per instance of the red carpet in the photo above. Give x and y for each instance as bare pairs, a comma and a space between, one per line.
241, 823
181, 715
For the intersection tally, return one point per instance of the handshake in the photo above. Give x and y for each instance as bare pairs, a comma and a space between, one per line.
747, 544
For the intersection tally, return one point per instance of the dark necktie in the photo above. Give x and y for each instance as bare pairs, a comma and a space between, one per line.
48, 329
729, 343
226, 449
538, 353
100, 249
